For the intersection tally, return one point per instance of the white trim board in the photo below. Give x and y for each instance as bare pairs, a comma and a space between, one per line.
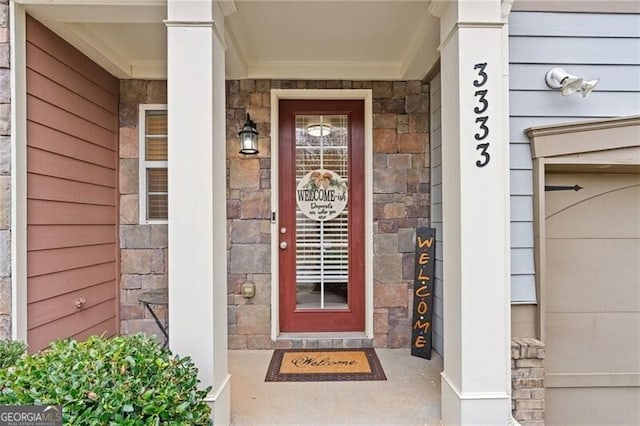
18, 172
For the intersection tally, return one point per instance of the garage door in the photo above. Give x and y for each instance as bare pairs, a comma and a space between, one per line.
72, 107
592, 300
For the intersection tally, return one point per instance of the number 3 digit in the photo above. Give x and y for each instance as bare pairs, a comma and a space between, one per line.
483, 100
483, 126
483, 151
481, 73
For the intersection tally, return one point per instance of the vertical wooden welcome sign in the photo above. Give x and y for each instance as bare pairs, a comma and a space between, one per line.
421, 333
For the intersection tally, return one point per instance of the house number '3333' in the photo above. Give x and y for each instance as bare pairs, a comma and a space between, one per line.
482, 116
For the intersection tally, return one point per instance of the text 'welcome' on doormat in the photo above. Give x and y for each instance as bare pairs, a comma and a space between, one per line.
324, 365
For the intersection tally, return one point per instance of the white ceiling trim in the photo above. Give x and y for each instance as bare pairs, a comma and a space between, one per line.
228, 7
437, 7
152, 70
72, 20
422, 51
99, 14
327, 70
90, 45
235, 62
95, 2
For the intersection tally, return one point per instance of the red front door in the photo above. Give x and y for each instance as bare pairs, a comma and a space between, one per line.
321, 215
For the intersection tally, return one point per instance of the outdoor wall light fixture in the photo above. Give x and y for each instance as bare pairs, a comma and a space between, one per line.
248, 138
248, 290
319, 130
568, 84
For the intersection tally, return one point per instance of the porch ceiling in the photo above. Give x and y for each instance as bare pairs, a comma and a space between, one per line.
293, 39
332, 39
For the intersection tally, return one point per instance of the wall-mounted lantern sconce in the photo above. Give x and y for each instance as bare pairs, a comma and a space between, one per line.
568, 84
248, 138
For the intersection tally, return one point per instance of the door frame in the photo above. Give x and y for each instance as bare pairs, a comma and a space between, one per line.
366, 95
589, 146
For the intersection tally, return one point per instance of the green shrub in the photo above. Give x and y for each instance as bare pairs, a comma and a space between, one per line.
10, 352
127, 380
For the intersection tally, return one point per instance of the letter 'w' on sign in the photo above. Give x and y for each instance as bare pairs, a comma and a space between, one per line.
425, 242
421, 330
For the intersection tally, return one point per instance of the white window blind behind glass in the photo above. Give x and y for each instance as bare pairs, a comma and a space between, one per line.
322, 247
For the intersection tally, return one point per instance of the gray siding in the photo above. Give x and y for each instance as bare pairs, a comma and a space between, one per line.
605, 46
436, 208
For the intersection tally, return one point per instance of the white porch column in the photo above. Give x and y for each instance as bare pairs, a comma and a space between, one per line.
476, 250
197, 194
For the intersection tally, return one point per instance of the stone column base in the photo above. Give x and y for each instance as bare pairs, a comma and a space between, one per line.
527, 381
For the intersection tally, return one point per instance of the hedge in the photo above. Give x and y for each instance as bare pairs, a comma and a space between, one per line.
125, 380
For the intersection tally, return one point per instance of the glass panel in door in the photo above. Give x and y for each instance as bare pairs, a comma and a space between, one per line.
322, 251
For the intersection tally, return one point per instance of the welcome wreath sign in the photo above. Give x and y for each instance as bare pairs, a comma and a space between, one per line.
321, 195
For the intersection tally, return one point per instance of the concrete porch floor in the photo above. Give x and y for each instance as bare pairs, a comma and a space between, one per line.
409, 396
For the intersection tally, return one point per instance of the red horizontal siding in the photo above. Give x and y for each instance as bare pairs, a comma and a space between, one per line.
43, 212
52, 140
58, 307
57, 283
54, 165
45, 39
72, 192
50, 67
106, 328
45, 237
55, 94
48, 261
50, 115
56, 189
39, 337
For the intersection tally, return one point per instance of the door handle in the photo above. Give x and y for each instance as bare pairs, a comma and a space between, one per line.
283, 245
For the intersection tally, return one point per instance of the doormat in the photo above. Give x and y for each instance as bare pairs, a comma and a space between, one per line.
324, 365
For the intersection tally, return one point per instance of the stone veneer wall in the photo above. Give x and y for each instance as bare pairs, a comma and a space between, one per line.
401, 203
527, 381
143, 247
5, 174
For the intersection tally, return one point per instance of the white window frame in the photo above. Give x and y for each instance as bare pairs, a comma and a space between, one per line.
143, 165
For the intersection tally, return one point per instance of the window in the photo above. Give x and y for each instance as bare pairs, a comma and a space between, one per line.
153, 164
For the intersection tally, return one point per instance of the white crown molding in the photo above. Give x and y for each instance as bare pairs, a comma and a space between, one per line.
421, 52
202, 24
149, 70
228, 7
100, 14
437, 7
92, 46
584, 126
120, 3
506, 8
589, 136
236, 63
